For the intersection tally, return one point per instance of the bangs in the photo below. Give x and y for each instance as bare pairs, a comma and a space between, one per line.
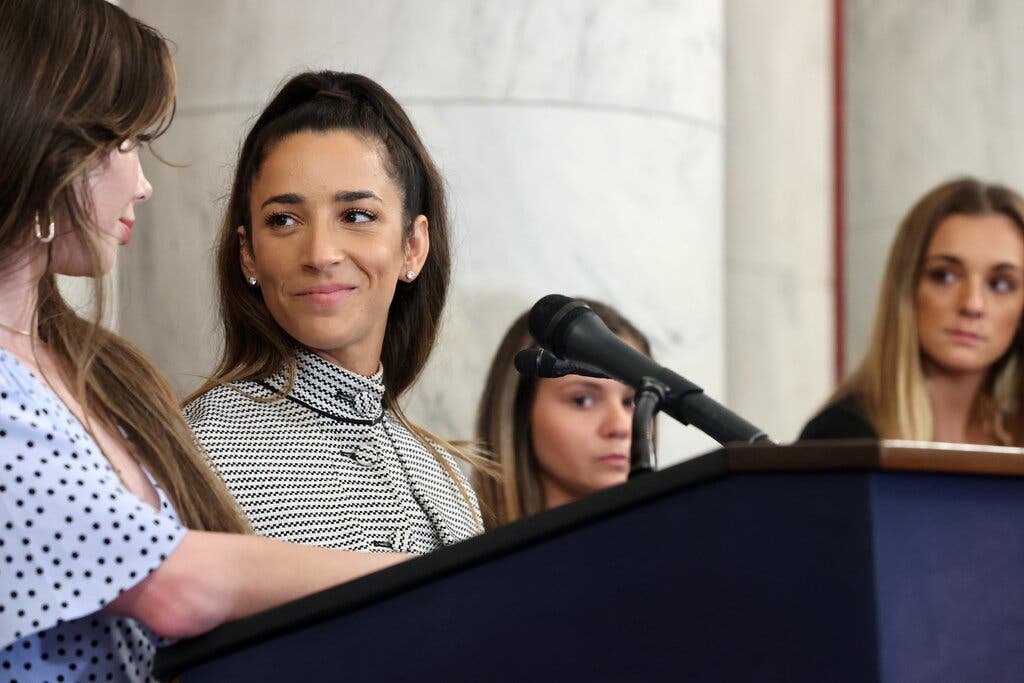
141, 82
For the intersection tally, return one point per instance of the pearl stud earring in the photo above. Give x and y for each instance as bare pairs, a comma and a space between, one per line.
252, 280
410, 274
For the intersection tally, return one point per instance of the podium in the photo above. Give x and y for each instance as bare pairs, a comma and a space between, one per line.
838, 561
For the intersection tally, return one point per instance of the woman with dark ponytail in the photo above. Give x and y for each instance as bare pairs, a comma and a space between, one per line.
333, 268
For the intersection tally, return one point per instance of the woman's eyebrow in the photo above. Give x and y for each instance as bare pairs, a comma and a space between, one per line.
579, 382
341, 196
1002, 265
946, 257
354, 195
287, 198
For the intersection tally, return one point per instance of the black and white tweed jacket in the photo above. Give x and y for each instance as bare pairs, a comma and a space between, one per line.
328, 466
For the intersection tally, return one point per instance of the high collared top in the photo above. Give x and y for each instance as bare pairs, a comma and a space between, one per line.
327, 465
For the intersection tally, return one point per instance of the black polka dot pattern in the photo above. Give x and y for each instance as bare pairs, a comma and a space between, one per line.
328, 465
72, 538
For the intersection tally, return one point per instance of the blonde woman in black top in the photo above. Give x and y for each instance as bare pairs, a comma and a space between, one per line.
944, 363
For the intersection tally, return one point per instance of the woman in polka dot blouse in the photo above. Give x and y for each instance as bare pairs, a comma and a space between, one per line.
333, 269
113, 530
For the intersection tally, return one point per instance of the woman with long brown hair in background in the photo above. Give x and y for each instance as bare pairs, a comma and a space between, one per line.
110, 520
552, 440
333, 268
945, 358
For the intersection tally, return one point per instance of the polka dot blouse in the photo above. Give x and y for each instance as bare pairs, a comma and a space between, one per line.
328, 465
71, 539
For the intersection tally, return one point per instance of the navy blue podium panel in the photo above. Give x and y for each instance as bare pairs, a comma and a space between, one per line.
711, 570
949, 552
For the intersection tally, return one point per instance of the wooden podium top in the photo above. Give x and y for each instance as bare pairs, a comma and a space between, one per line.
904, 456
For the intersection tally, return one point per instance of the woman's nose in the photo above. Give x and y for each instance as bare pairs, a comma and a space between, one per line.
972, 302
143, 189
322, 250
618, 421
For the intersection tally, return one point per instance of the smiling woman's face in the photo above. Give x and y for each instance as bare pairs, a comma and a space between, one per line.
328, 245
971, 293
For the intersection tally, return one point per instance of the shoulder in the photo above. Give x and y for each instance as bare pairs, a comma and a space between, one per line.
226, 414
843, 419
226, 402
31, 415
17, 384
59, 497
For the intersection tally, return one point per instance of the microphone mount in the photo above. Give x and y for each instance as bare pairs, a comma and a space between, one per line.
649, 396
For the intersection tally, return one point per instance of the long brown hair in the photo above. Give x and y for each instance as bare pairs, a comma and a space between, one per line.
503, 422
889, 383
77, 79
255, 346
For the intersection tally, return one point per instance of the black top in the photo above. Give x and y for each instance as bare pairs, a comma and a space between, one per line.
843, 419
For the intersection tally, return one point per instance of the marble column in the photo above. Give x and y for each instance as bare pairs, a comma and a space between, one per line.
581, 140
934, 91
780, 326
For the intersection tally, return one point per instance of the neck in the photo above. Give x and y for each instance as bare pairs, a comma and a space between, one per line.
953, 397
554, 494
365, 364
19, 296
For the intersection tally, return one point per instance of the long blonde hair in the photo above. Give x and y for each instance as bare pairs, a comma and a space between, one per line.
889, 383
68, 103
503, 422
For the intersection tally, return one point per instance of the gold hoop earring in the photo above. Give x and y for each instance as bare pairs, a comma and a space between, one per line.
45, 239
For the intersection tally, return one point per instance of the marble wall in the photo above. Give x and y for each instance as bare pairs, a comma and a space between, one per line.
780, 324
934, 90
670, 157
582, 142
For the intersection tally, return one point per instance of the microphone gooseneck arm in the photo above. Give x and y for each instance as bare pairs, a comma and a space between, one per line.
649, 396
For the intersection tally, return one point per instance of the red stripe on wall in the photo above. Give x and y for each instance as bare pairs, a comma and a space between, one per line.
839, 200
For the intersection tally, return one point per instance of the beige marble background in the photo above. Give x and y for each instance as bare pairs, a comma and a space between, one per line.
780, 323
582, 142
669, 157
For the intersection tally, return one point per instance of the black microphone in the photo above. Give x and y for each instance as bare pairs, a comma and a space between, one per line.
570, 330
541, 363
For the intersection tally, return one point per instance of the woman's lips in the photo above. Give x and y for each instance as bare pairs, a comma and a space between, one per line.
325, 295
965, 336
615, 459
126, 234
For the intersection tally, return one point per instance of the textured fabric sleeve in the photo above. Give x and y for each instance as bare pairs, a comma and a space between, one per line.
217, 419
841, 420
71, 536
196, 418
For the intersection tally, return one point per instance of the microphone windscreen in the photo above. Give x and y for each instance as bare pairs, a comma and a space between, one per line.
550, 317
